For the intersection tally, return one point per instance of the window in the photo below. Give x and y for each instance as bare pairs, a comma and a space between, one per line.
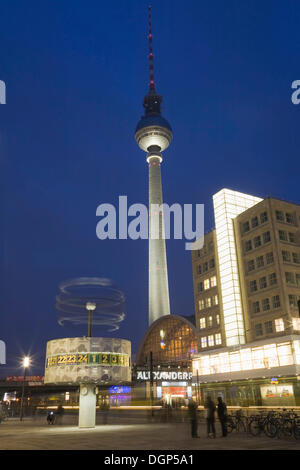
215, 300
205, 267
270, 258
292, 237
200, 286
289, 278
296, 258
208, 302
218, 319
211, 340
218, 339
263, 282
258, 329
260, 262
209, 322
276, 301
263, 217
199, 269
245, 227
268, 327
213, 281
202, 323
266, 304
280, 216
255, 307
289, 218
298, 280
257, 241
206, 284
279, 324
204, 342
248, 245
211, 263
253, 286
272, 279
283, 236
201, 304
296, 324
286, 256
266, 237
293, 300
254, 222
251, 265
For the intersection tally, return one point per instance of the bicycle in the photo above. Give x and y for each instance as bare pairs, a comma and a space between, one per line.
236, 422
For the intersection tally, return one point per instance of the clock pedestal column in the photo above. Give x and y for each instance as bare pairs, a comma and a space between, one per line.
87, 406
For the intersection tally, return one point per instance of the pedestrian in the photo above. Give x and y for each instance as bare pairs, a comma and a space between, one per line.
192, 409
210, 417
222, 415
59, 413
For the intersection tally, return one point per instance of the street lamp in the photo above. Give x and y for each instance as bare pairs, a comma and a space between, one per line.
26, 362
90, 306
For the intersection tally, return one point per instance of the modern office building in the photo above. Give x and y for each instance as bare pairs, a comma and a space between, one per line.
246, 290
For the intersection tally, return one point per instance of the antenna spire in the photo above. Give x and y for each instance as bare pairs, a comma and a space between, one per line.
151, 67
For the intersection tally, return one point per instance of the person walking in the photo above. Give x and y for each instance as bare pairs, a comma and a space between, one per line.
210, 417
192, 409
222, 415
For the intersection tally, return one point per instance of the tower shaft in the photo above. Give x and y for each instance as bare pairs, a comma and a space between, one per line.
159, 303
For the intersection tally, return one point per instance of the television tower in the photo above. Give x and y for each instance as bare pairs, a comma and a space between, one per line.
153, 134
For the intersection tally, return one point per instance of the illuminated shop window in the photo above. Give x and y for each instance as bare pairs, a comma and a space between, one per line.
258, 358
201, 304
296, 324
202, 323
211, 340
215, 299
235, 361
218, 319
279, 324
285, 354
204, 342
218, 339
206, 284
246, 359
208, 302
209, 321
297, 351
213, 281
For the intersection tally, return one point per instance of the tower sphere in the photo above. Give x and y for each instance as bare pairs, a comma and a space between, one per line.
153, 130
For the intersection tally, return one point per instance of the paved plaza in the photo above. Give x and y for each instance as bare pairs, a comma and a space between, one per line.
37, 435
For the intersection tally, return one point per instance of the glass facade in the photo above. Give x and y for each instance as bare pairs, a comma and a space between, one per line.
171, 339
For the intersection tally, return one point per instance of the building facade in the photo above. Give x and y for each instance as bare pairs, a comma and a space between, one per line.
247, 291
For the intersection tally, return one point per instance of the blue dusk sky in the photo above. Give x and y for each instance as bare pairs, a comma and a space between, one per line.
76, 73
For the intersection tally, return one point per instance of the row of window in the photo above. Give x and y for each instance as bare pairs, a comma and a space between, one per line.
287, 236
292, 278
211, 340
255, 222
205, 250
257, 241
263, 282
260, 262
265, 304
207, 284
287, 217
289, 257
269, 327
205, 266
209, 322
208, 302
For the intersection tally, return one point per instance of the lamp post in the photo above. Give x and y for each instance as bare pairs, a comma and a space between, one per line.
26, 362
90, 306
